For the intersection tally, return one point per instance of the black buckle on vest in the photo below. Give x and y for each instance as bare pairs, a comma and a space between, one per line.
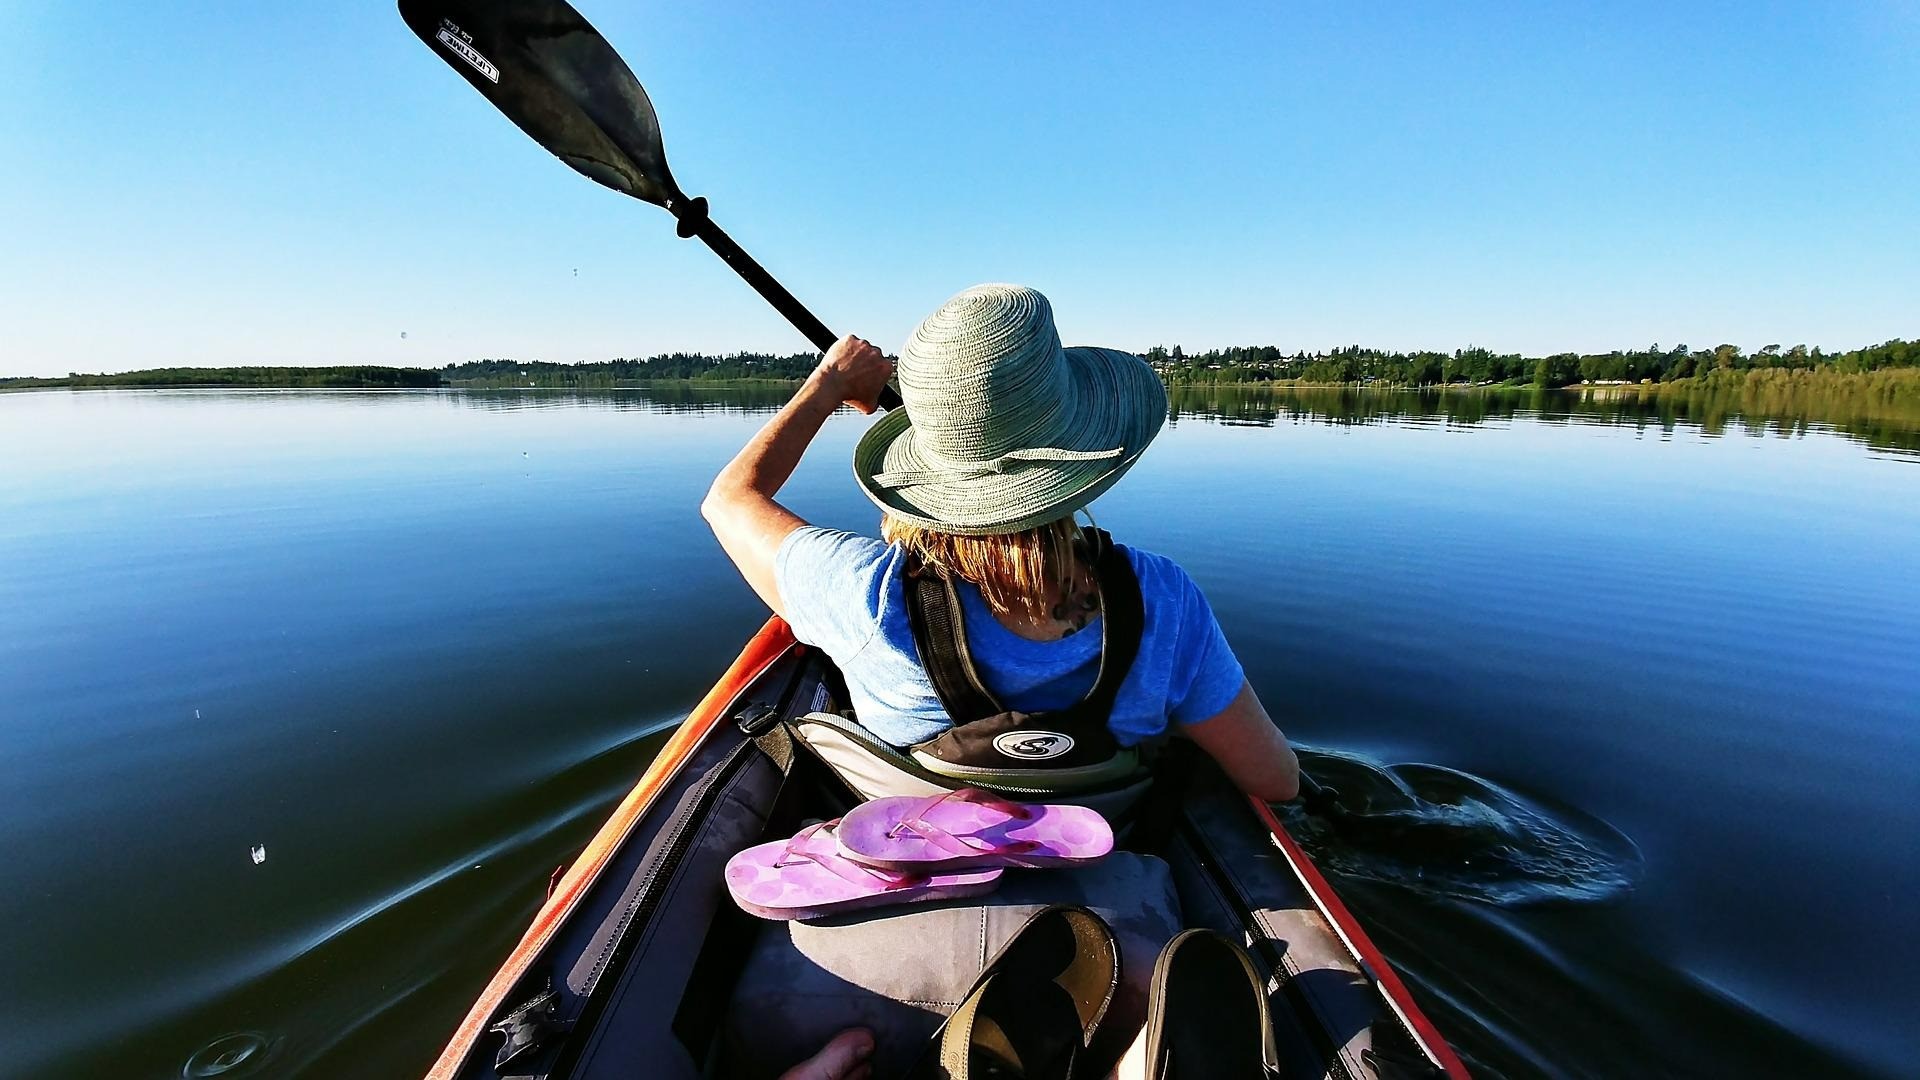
756, 719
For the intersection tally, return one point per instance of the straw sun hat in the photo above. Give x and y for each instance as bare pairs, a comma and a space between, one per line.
1003, 429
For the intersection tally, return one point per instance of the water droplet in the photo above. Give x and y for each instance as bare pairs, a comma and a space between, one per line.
238, 1054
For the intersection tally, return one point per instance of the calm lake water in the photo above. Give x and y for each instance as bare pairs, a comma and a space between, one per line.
304, 695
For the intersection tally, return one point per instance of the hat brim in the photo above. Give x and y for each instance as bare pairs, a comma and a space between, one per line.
1116, 401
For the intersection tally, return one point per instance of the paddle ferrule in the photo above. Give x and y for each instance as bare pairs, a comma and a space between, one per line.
689, 213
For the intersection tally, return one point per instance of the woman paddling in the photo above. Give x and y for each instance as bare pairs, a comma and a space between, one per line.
1004, 436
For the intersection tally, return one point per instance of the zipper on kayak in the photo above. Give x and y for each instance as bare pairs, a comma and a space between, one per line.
640, 909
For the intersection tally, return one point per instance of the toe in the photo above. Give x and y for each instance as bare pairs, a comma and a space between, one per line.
843, 1058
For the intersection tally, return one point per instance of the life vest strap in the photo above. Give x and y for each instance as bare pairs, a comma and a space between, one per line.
985, 733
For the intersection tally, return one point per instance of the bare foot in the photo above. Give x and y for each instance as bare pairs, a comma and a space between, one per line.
1132, 1064
843, 1058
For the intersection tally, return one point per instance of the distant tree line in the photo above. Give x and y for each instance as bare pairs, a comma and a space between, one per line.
1352, 364
1260, 363
346, 377
679, 366
1357, 364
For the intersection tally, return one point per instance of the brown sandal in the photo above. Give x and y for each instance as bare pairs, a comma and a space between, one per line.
1033, 1012
1206, 1004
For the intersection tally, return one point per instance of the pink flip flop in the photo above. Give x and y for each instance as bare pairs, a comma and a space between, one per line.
969, 828
806, 877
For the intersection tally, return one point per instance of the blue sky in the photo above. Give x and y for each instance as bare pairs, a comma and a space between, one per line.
218, 183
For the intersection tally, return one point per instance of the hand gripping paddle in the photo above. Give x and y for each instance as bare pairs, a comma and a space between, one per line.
543, 65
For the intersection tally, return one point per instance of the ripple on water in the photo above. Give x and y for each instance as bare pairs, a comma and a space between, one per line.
240, 1053
1442, 832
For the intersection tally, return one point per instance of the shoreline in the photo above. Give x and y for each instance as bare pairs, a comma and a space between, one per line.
1893, 379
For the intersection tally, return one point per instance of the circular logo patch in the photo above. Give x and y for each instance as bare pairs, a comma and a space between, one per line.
1033, 745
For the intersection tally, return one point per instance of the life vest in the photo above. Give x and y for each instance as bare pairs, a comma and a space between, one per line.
986, 736
1065, 754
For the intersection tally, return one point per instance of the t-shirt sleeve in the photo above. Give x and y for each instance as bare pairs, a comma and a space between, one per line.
1205, 663
831, 585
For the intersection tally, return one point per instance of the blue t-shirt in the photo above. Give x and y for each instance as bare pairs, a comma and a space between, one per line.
843, 594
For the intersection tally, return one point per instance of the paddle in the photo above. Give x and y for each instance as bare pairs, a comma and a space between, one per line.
1359, 828
552, 73
542, 64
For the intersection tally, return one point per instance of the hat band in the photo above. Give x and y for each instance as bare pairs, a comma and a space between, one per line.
1008, 462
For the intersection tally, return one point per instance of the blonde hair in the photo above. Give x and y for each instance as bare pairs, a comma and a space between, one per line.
1029, 572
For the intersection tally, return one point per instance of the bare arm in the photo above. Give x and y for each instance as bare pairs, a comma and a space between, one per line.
740, 507
1255, 755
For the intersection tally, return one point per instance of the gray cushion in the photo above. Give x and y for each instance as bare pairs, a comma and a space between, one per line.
901, 970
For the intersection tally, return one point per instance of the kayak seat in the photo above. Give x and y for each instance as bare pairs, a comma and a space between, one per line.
901, 971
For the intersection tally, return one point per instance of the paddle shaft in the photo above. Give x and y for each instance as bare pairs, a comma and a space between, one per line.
694, 222
1320, 800
763, 283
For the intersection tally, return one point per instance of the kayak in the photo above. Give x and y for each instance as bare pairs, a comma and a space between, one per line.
638, 964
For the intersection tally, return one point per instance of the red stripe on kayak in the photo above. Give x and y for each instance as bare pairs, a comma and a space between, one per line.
767, 646
1362, 945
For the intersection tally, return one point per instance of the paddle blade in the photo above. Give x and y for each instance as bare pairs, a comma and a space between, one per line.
552, 73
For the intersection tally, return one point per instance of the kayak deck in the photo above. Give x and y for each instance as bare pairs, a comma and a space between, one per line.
634, 966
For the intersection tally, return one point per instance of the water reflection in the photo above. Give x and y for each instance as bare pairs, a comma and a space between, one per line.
665, 397
1878, 421
1890, 425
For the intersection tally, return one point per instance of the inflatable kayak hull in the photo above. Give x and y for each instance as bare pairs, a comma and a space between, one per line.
633, 964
